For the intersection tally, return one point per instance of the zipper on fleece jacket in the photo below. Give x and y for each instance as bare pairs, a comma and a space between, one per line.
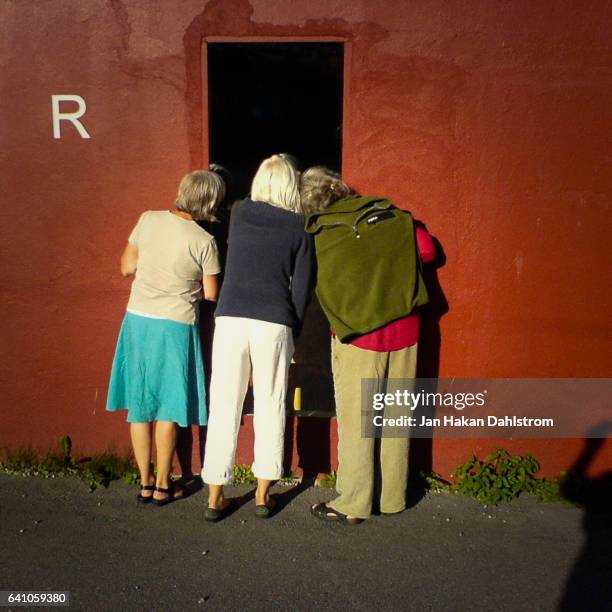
353, 226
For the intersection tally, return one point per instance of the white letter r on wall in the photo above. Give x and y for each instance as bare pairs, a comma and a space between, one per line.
73, 117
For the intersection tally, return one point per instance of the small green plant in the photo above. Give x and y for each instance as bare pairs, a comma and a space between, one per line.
431, 481
66, 446
502, 477
96, 471
328, 481
101, 468
549, 490
243, 474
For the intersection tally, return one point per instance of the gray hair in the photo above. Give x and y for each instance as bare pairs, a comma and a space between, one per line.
276, 182
199, 194
320, 187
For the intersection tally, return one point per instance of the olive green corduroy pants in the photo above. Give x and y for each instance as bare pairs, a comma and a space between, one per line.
356, 454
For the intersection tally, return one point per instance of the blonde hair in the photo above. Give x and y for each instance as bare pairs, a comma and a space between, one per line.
199, 194
276, 182
320, 187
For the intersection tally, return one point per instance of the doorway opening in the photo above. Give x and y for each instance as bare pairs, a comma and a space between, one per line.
266, 98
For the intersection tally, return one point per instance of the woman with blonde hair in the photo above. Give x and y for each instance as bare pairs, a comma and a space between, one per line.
157, 373
268, 276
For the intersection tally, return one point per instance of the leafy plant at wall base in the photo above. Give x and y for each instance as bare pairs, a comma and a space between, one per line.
328, 481
499, 477
66, 446
97, 470
550, 490
244, 475
433, 482
101, 468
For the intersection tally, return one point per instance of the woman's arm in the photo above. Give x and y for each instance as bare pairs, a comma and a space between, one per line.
210, 284
426, 245
129, 259
303, 278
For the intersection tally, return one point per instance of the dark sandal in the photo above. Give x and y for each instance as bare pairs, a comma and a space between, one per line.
324, 512
145, 499
170, 492
212, 515
266, 510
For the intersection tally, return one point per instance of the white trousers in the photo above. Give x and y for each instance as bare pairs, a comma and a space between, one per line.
240, 344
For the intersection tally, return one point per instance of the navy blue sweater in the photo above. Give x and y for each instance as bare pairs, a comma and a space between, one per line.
270, 265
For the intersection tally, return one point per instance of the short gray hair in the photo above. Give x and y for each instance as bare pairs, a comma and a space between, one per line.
199, 194
276, 182
320, 187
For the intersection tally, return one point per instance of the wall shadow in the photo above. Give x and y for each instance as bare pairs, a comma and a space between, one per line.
589, 585
312, 369
306, 433
428, 364
312, 443
186, 436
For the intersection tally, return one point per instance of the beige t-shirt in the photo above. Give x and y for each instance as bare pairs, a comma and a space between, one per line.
173, 256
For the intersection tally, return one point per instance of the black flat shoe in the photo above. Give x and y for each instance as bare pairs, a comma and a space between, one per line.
265, 511
324, 512
170, 492
212, 515
145, 499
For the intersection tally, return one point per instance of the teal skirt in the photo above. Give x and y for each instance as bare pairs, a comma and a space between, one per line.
157, 373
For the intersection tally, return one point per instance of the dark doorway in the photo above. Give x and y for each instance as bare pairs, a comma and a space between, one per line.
266, 98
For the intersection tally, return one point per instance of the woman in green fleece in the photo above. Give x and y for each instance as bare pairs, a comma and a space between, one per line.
370, 286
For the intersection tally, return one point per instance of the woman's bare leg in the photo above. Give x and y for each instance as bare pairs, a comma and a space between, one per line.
165, 443
262, 495
141, 443
216, 498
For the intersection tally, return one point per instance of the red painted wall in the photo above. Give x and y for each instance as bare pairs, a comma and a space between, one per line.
490, 121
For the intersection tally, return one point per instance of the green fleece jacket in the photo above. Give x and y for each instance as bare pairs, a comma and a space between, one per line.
369, 269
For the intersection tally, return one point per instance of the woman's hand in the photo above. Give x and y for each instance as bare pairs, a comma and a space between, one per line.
210, 285
129, 259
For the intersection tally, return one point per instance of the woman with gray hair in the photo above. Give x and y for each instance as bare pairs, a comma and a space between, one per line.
370, 286
157, 373
268, 277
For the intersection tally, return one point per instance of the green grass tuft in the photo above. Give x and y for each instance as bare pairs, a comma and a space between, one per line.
96, 471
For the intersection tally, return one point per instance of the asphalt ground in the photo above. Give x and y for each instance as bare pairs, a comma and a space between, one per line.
447, 552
